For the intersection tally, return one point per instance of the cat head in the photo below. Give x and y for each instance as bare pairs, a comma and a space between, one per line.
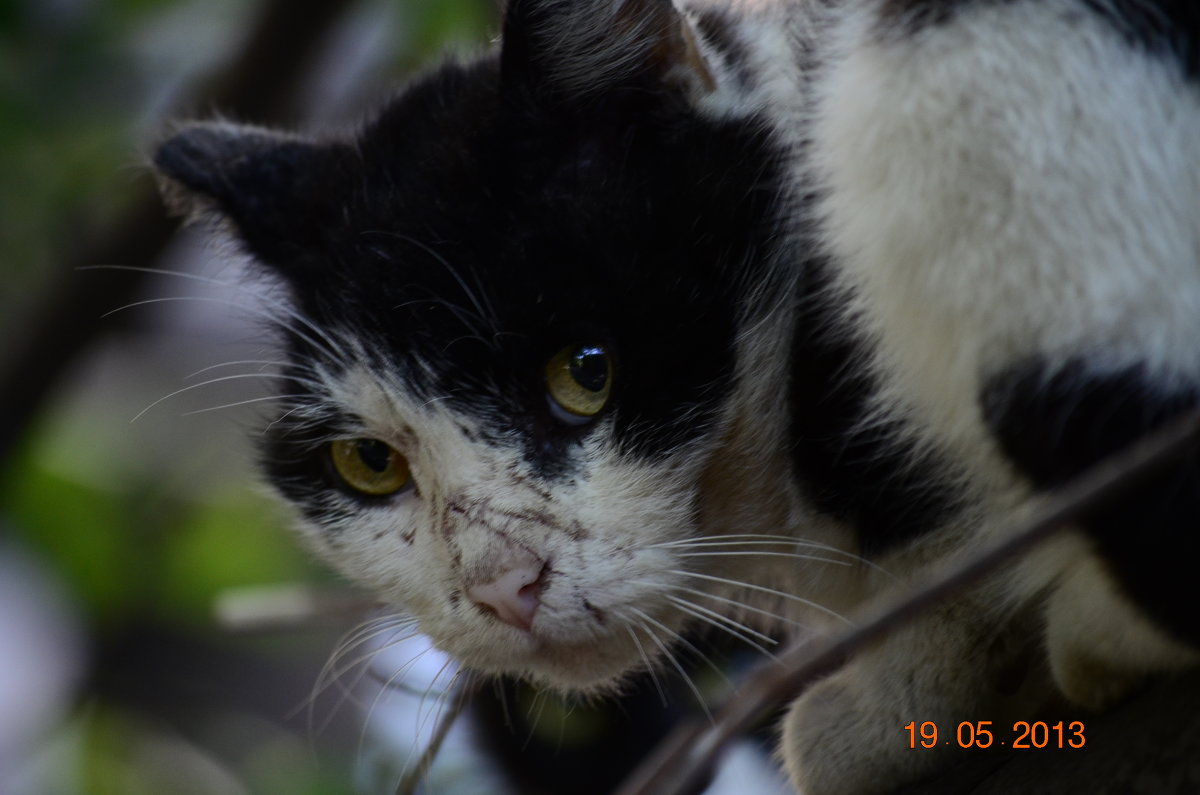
514, 300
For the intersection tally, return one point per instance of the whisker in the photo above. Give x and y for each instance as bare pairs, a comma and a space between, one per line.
387, 686
783, 538
539, 705
211, 367
323, 342
402, 632
535, 706
686, 644
726, 600
764, 553
763, 589
211, 381
350, 640
719, 621
673, 661
284, 417
766, 539
159, 272
734, 603
502, 697
331, 674
422, 721
704, 544
448, 665
235, 404
751, 539
345, 690
732, 624
662, 694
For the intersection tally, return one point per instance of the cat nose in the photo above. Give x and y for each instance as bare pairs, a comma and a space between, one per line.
514, 595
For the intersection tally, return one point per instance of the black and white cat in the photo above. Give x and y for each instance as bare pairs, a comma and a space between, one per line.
828, 285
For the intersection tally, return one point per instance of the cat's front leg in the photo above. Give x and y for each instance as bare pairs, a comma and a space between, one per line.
846, 734
1123, 605
1100, 646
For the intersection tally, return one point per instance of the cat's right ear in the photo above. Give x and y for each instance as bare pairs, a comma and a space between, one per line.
576, 49
271, 186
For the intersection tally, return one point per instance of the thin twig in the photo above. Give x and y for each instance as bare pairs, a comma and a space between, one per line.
683, 763
459, 698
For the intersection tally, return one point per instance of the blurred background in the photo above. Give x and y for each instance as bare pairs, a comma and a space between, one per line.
128, 403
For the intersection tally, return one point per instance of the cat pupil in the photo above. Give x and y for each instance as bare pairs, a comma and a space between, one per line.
375, 454
589, 368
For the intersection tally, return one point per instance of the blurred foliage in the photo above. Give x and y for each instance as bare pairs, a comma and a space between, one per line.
69, 88
125, 552
79, 80
84, 85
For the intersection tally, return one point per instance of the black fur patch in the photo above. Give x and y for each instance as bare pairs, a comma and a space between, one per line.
864, 473
1169, 29
1054, 424
471, 232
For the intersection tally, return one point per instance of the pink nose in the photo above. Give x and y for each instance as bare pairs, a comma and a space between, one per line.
513, 596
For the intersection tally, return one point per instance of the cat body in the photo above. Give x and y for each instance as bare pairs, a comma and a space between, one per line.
740, 314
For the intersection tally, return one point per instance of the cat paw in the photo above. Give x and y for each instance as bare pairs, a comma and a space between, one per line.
835, 742
1089, 681
1100, 646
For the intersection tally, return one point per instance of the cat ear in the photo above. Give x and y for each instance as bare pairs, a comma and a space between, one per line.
270, 185
576, 48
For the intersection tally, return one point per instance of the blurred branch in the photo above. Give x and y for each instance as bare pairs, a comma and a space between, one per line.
683, 763
460, 696
286, 608
260, 84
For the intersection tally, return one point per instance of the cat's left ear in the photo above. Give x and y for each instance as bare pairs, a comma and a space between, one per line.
578, 48
272, 186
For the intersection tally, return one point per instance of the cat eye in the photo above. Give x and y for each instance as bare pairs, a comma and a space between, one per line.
369, 466
578, 381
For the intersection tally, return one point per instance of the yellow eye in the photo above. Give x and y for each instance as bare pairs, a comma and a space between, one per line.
579, 380
369, 466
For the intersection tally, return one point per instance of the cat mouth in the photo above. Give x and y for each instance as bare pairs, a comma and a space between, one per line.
579, 647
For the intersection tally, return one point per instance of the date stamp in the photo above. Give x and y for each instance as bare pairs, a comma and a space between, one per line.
981, 734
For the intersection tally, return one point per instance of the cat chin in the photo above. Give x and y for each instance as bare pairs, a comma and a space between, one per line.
580, 671
592, 667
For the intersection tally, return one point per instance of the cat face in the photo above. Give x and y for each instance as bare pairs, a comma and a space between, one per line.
511, 329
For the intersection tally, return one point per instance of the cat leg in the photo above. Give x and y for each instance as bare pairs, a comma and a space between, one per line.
845, 735
1100, 646
1125, 605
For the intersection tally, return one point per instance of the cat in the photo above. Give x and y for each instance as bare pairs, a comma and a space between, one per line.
747, 312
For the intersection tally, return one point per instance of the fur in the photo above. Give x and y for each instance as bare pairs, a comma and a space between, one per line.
871, 272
